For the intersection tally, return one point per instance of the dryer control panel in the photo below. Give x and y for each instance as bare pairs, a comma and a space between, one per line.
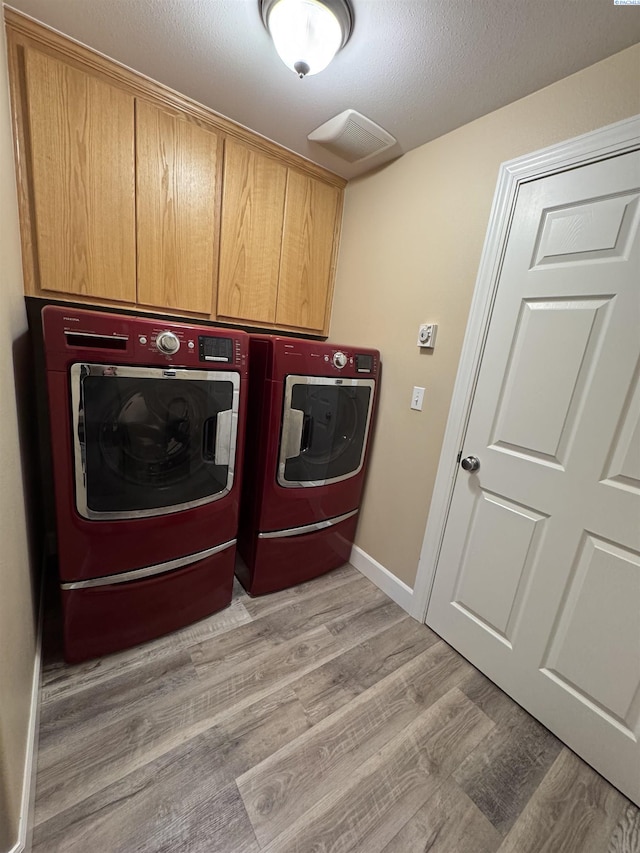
316, 358
363, 363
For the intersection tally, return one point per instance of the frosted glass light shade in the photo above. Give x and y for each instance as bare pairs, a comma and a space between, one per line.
306, 33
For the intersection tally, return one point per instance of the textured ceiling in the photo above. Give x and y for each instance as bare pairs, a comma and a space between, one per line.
419, 68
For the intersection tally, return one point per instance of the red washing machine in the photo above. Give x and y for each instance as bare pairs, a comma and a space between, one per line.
147, 430
308, 427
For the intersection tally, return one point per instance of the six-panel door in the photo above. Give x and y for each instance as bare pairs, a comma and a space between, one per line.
538, 580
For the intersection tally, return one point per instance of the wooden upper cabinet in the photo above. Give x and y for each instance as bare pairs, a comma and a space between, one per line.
252, 214
125, 197
310, 236
177, 210
80, 139
279, 233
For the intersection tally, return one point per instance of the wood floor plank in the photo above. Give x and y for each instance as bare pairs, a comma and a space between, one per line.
133, 689
264, 604
448, 822
326, 689
501, 775
573, 810
325, 608
93, 760
305, 697
280, 789
234, 648
266, 632
213, 626
488, 697
169, 799
204, 818
372, 804
625, 838
59, 678
373, 616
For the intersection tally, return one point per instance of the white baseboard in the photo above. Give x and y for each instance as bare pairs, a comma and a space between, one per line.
392, 586
25, 826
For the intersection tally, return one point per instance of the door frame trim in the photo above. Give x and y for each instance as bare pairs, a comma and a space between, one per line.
609, 141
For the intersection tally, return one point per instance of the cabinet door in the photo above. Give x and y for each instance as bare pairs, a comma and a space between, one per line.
176, 180
251, 235
306, 266
81, 134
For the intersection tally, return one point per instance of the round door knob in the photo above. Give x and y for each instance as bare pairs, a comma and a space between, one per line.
168, 343
470, 463
339, 360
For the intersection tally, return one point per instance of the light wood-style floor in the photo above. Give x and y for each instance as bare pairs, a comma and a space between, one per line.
320, 719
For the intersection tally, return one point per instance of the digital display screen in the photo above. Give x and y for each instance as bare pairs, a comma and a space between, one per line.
364, 363
215, 349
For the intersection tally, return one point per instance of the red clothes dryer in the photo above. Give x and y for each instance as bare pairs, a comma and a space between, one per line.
309, 422
146, 420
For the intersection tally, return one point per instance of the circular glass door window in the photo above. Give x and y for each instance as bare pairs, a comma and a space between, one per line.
151, 444
330, 425
150, 436
334, 431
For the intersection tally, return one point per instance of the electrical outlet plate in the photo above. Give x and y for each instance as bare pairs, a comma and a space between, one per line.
427, 335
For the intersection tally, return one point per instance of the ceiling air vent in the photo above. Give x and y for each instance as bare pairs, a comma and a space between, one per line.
352, 136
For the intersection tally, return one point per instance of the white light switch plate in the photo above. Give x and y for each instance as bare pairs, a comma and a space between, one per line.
416, 398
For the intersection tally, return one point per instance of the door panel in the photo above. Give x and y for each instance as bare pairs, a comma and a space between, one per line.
537, 409
622, 469
487, 586
581, 658
538, 579
176, 182
593, 231
82, 149
306, 275
251, 235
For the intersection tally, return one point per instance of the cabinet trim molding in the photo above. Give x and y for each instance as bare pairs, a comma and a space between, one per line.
20, 27
314, 249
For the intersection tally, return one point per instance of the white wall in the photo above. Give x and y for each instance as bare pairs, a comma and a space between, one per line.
411, 244
17, 619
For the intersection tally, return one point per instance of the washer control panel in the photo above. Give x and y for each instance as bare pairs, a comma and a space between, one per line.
365, 363
167, 342
203, 348
215, 349
72, 334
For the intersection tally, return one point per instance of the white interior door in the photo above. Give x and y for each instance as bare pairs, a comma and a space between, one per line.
538, 580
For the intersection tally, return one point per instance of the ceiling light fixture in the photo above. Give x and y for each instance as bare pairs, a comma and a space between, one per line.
307, 33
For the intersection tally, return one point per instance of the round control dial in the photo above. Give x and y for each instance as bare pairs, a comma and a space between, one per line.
339, 360
168, 343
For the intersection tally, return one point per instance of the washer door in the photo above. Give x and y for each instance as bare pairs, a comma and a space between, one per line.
149, 441
325, 427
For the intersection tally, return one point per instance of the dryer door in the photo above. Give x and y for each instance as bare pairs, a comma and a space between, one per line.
325, 427
149, 441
